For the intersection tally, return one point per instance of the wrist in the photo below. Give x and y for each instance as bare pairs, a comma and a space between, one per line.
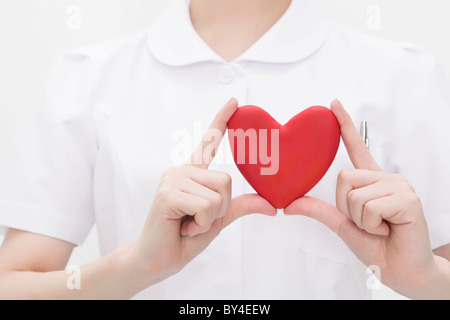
124, 262
434, 283
441, 281
136, 270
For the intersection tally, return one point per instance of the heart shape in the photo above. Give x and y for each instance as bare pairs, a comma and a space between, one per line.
283, 162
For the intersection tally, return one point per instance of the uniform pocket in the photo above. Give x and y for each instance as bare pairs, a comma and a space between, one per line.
316, 239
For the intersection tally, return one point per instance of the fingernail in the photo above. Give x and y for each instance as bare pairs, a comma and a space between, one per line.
232, 100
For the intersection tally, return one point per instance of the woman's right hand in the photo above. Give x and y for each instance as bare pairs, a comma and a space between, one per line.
192, 205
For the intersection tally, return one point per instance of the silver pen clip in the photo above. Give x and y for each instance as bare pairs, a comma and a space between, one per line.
363, 132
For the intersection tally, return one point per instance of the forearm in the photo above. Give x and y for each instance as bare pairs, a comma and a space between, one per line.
110, 277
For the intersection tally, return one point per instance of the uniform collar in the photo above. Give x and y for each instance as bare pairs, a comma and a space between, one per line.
299, 33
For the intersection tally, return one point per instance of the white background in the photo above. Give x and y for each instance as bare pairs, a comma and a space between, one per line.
33, 33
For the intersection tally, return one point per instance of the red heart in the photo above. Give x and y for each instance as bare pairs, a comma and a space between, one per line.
307, 146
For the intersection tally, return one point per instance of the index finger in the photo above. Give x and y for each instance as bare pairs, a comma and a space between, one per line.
207, 149
357, 150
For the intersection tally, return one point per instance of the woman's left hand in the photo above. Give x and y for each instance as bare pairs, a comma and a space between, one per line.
380, 218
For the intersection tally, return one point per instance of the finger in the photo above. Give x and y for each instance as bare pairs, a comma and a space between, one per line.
375, 211
183, 204
394, 209
201, 220
328, 215
358, 198
193, 246
247, 204
240, 206
356, 148
216, 181
190, 186
350, 179
207, 149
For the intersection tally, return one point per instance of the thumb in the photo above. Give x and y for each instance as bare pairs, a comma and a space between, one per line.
328, 215
247, 204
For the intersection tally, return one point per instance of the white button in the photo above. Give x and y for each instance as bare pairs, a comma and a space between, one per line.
226, 74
